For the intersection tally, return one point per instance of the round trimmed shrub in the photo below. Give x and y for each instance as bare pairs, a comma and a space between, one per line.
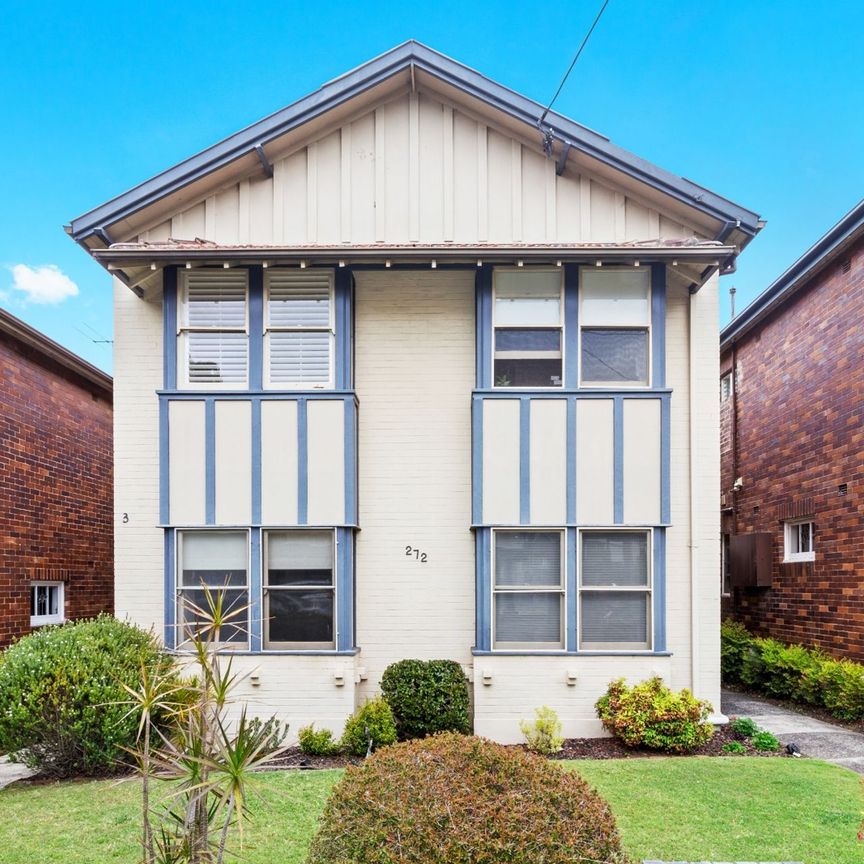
61, 695
373, 720
651, 715
427, 696
455, 799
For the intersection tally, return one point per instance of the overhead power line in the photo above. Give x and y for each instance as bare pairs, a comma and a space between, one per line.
567, 73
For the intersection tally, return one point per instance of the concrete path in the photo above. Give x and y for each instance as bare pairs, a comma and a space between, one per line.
813, 737
12, 771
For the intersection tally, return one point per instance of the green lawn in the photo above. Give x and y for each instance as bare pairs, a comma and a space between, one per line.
700, 809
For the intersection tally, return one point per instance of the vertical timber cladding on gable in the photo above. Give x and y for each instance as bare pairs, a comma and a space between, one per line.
417, 169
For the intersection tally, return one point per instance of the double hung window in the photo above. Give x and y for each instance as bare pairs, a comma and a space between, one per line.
528, 328
299, 329
614, 318
213, 339
615, 590
528, 589
46, 603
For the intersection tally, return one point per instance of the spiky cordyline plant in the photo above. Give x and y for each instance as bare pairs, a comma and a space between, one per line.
209, 761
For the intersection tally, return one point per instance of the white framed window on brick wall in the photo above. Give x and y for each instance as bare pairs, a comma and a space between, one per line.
528, 327
299, 589
528, 589
46, 603
614, 326
726, 387
299, 329
614, 590
799, 540
209, 564
213, 329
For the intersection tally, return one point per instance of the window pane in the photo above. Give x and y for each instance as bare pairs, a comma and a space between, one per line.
527, 558
805, 530
615, 617
215, 299
528, 297
528, 340
217, 357
213, 558
53, 593
300, 558
235, 631
300, 357
614, 558
298, 299
298, 616
528, 617
614, 297
615, 355
525, 372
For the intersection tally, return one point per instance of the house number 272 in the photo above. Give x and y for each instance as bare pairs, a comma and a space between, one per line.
418, 555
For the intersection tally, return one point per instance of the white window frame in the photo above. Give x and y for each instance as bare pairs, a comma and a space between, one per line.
516, 355
539, 647
183, 329
791, 539
649, 328
330, 328
181, 640
647, 590
726, 385
60, 617
266, 644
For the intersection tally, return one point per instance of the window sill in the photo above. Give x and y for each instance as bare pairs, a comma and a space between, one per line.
267, 652
800, 559
476, 652
44, 622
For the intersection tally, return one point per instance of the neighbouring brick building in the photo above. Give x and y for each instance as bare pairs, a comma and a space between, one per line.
792, 450
56, 499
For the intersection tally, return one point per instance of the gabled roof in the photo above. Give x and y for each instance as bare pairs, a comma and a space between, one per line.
825, 250
48, 348
733, 223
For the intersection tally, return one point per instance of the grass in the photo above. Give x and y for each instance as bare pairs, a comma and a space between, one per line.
698, 809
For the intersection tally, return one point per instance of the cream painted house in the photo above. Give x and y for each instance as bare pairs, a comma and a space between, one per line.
422, 378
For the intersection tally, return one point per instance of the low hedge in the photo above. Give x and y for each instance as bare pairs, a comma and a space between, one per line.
805, 675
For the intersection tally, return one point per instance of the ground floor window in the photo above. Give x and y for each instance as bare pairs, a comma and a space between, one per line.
46, 603
799, 540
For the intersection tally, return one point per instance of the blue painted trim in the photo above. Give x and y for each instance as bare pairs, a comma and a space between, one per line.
483, 323
658, 325
256, 604
198, 395
571, 325
350, 461
659, 589
343, 296
302, 463
344, 589
618, 459
169, 328
256, 327
256, 461
170, 588
477, 460
571, 593
571, 460
524, 461
665, 460
164, 464
483, 589
210, 462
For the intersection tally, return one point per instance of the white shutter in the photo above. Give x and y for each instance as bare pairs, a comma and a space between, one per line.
215, 300
216, 357
301, 357
298, 298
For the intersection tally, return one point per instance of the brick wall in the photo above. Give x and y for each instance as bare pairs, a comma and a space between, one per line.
55, 488
799, 405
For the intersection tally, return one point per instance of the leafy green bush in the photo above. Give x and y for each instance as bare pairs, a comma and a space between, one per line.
317, 742
544, 735
63, 707
452, 799
763, 740
840, 688
744, 726
651, 715
427, 696
734, 747
735, 643
374, 721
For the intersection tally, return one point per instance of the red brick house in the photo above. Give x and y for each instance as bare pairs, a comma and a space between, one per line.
56, 499
792, 450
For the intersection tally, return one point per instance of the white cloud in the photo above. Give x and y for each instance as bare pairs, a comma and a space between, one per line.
44, 285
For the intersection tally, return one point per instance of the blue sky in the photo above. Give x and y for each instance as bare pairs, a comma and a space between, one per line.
760, 102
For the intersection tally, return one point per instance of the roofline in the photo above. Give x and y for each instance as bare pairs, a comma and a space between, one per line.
349, 85
33, 338
820, 254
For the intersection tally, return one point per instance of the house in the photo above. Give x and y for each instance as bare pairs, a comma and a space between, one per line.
56, 488
792, 405
419, 378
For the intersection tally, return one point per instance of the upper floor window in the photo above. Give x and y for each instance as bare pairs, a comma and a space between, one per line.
798, 540
726, 387
528, 328
615, 321
299, 329
213, 332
